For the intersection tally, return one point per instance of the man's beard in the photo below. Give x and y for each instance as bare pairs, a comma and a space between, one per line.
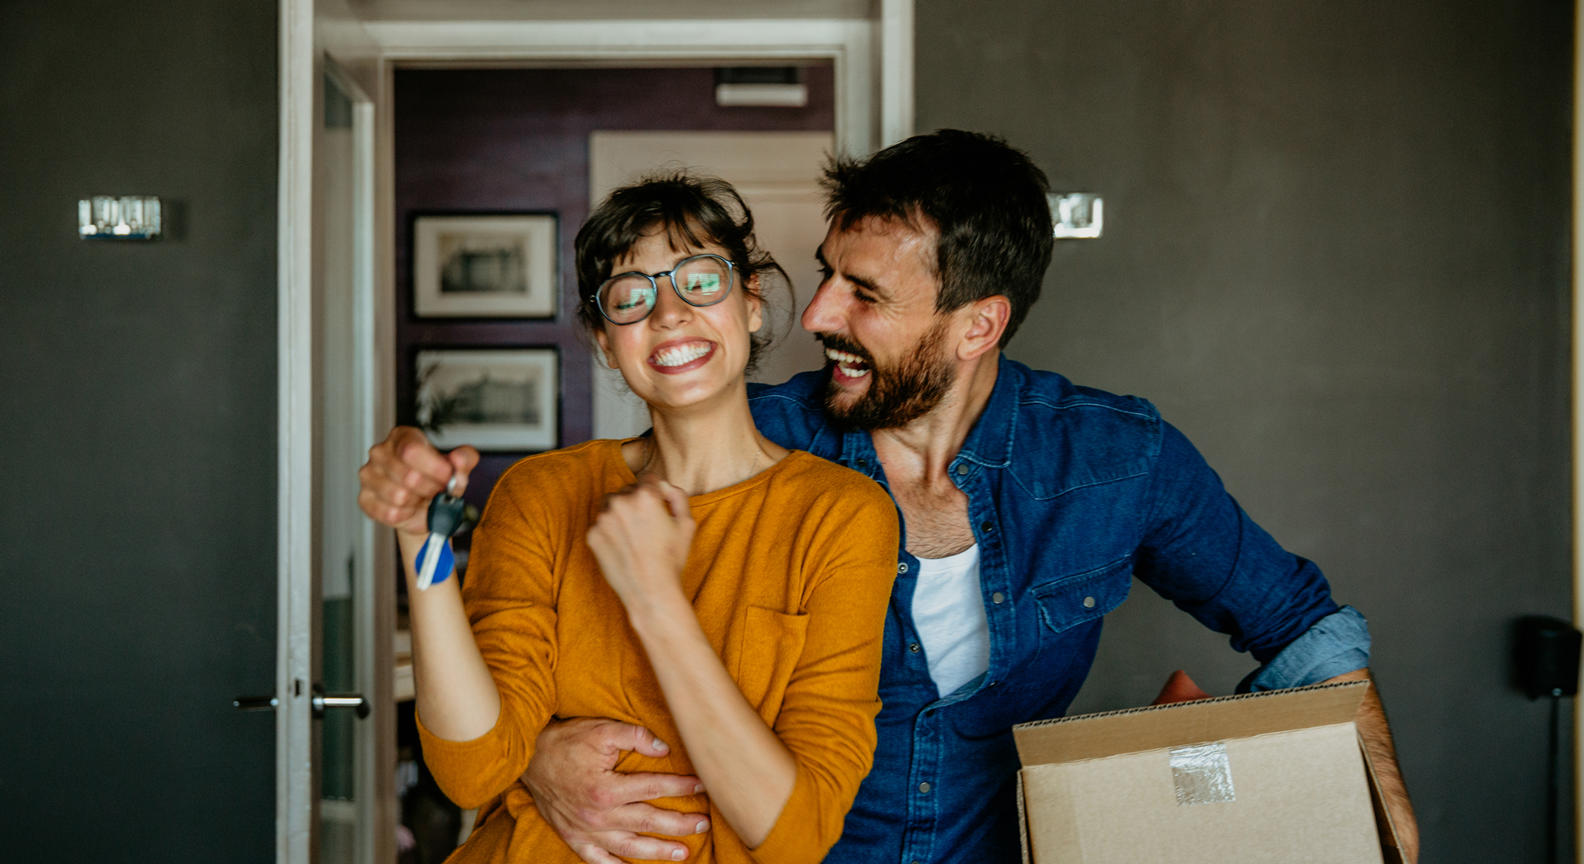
897, 395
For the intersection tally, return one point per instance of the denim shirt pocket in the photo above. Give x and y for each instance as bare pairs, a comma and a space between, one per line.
1072, 600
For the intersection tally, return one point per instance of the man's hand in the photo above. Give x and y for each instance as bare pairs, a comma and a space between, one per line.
403, 472
598, 812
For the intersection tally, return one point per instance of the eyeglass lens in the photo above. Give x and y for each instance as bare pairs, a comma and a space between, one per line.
701, 281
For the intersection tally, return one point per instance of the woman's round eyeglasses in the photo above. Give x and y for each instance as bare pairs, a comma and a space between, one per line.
702, 280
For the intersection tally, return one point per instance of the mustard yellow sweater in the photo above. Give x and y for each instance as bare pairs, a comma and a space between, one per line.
789, 575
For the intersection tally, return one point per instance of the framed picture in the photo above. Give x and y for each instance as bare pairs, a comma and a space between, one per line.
498, 266
492, 398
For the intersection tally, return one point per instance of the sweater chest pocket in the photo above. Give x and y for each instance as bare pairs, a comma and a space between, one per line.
768, 651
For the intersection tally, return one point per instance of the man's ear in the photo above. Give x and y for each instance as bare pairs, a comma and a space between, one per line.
986, 320
604, 345
755, 304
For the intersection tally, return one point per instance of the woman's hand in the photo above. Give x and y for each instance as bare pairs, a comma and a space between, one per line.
641, 540
403, 472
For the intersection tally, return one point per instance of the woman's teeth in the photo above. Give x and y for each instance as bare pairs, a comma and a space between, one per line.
850, 365
681, 354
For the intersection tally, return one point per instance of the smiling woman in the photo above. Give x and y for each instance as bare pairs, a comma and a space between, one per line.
699, 237
699, 582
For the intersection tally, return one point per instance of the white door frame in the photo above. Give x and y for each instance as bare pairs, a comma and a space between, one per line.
873, 66
1578, 404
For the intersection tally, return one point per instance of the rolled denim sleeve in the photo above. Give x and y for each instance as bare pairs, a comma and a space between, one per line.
1336, 645
1202, 551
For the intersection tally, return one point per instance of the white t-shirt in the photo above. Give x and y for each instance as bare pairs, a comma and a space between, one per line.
949, 614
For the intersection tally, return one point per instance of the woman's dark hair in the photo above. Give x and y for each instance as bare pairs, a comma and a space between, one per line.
986, 199
692, 211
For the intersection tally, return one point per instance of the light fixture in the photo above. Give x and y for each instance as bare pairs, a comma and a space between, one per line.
125, 217
760, 87
1077, 215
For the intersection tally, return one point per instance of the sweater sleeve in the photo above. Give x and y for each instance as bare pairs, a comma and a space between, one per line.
827, 715
509, 597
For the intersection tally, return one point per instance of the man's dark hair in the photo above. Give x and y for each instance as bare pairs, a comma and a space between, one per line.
985, 198
692, 211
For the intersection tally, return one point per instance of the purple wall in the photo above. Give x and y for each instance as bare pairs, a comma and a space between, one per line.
517, 140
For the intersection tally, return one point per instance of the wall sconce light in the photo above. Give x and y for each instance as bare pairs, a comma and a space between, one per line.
760, 86
1077, 215
128, 217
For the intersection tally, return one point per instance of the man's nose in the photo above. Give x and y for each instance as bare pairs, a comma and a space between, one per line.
823, 314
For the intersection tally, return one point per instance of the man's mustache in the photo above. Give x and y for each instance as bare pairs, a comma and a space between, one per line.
841, 343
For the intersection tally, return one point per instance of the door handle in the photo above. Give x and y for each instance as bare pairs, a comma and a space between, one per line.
321, 701
255, 703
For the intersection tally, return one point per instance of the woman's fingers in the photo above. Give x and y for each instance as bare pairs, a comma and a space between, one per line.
403, 472
676, 500
463, 460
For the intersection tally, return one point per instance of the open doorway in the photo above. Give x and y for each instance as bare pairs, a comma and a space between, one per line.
478, 152
868, 50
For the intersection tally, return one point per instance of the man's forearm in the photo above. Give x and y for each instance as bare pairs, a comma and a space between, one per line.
1375, 732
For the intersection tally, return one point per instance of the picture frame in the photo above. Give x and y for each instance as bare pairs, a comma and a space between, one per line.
500, 265
496, 399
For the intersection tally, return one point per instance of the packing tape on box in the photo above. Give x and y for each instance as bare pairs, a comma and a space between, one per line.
1202, 774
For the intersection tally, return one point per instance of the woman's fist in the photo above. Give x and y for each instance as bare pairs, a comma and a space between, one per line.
641, 540
403, 472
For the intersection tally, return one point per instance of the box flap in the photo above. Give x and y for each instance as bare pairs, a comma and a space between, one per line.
1022, 820
1391, 844
1095, 736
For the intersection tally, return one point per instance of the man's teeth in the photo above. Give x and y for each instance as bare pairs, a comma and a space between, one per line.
681, 354
850, 365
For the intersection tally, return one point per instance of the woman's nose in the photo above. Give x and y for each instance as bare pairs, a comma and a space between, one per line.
670, 309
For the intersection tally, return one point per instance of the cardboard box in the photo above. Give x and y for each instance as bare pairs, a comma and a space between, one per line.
1276, 778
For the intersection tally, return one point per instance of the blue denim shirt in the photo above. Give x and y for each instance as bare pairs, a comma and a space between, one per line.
1072, 492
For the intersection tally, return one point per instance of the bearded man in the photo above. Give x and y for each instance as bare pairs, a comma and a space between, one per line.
1029, 504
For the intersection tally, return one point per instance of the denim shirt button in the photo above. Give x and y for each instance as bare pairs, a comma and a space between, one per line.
914, 647
902, 568
997, 597
986, 527
924, 788
1088, 602
961, 470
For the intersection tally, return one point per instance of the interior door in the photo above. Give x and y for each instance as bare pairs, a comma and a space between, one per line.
334, 720
346, 603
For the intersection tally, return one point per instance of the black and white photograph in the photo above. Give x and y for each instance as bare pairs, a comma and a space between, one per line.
495, 266
493, 399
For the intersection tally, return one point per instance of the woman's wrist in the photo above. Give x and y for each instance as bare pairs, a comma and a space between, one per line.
654, 616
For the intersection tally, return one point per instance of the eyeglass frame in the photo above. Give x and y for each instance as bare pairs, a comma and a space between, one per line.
654, 280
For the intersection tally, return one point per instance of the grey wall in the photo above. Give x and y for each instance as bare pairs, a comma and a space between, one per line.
137, 531
1336, 256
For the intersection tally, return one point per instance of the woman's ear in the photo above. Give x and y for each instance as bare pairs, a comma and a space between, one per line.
755, 305
604, 344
